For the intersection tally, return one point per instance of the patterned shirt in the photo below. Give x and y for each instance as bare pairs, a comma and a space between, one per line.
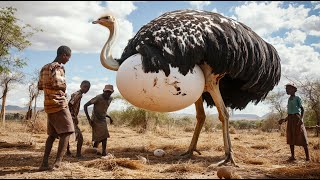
52, 82
74, 105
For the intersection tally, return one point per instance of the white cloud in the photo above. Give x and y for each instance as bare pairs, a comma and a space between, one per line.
121, 8
215, 10
69, 23
199, 4
312, 25
316, 45
18, 95
76, 78
298, 61
267, 17
295, 37
316, 4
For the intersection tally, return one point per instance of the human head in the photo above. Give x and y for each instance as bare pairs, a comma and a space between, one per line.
291, 89
63, 54
85, 86
108, 89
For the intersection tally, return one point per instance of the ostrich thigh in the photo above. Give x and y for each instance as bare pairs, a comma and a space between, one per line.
155, 91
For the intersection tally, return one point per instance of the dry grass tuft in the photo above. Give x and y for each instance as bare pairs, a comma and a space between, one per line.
39, 124
173, 147
184, 168
255, 161
189, 129
19, 145
310, 171
260, 146
91, 150
139, 149
232, 130
111, 164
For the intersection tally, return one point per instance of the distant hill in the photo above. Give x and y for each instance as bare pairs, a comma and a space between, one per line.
245, 117
14, 108
232, 117
18, 108
180, 115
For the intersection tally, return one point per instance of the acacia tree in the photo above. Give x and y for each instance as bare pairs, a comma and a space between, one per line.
6, 82
13, 36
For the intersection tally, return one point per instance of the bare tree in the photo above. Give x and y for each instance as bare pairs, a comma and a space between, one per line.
310, 88
7, 80
276, 100
33, 94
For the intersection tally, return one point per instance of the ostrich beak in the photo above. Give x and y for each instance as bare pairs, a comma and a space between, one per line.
95, 22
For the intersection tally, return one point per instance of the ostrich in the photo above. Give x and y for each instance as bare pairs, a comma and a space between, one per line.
238, 66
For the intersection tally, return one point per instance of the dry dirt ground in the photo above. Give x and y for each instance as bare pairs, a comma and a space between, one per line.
258, 154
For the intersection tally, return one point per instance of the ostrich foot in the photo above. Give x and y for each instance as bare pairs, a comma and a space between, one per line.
229, 158
189, 153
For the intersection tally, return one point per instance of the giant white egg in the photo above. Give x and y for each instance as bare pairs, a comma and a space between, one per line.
155, 91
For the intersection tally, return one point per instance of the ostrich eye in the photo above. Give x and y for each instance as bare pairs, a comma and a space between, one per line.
107, 17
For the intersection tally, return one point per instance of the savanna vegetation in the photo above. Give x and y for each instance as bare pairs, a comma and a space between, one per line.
259, 153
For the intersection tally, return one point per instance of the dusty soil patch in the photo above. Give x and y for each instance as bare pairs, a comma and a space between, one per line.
259, 155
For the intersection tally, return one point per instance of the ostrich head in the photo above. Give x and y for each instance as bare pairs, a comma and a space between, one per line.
106, 20
106, 58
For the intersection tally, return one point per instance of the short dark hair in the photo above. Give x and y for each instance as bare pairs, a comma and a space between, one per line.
85, 82
63, 50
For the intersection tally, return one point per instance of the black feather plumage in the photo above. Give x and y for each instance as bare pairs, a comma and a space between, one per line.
184, 38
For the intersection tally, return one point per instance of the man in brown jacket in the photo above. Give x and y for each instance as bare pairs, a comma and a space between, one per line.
52, 82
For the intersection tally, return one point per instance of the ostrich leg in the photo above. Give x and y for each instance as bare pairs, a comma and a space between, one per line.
200, 121
212, 86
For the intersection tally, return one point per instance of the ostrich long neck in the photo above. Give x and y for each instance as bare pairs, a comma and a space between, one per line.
105, 56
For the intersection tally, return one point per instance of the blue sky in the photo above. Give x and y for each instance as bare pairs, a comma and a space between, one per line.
292, 27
